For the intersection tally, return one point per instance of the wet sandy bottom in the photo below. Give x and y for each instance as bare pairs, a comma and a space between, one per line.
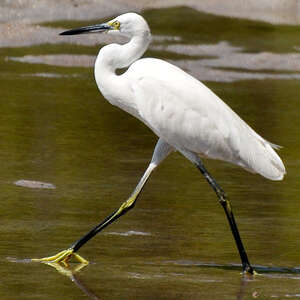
227, 63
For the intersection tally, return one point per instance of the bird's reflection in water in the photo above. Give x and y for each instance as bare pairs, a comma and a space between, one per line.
71, 271
244, 283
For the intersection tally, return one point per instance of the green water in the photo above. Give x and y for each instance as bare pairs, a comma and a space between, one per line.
61, 130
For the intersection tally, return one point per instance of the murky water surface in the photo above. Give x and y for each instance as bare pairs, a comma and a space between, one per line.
56, 128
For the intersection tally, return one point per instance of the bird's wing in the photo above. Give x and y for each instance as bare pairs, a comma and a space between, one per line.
188, 115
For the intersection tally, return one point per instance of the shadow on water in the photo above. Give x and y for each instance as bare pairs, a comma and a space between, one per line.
244, 286
261, 270
71, 271
66, 269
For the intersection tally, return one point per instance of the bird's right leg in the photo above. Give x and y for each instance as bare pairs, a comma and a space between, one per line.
224, 201
161, 151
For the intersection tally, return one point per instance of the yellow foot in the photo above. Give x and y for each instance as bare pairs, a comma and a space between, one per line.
62, 257
255, 273
250, 274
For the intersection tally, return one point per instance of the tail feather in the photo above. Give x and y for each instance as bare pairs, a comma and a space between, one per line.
264, 160
274, 146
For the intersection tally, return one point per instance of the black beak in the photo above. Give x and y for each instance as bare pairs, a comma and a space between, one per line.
88, 29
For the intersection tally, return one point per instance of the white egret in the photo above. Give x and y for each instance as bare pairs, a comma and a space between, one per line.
185, 115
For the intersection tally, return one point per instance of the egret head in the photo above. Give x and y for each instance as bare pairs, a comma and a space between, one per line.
129, 25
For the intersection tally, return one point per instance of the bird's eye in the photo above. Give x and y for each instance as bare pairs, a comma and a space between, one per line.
116, 25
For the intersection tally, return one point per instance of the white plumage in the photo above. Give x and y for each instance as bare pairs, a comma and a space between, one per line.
184, 113
177, 107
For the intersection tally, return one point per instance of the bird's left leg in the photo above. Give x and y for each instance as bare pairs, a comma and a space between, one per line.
224, 201
161, 151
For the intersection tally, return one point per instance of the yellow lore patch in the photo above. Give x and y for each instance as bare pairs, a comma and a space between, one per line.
115, 25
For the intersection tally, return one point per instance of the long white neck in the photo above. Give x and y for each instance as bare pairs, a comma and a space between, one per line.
114, 56
131, 51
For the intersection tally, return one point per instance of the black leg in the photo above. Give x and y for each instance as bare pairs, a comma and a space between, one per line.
161, 151
125, 207
65, 255
230, 217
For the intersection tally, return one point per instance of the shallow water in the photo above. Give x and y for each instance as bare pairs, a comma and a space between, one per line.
56, 128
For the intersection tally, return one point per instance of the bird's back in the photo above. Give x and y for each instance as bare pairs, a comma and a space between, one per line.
188, 115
